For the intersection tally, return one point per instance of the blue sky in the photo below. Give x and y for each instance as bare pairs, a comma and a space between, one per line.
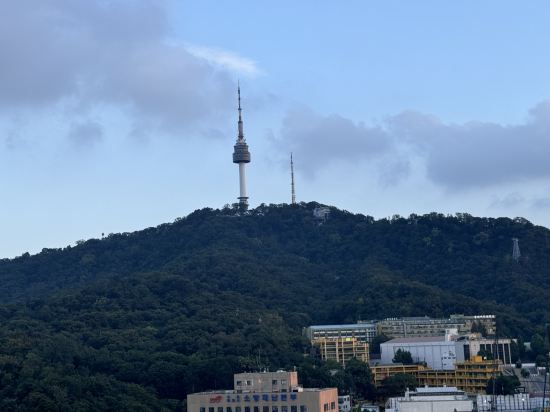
120, 115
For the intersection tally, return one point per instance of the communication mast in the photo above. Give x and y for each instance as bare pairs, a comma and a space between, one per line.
515, 251
292, 180
241, 156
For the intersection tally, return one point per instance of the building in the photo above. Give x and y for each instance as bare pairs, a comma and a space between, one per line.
520, 402
381, 372
442, 352
426, 326
473, 345
265, 392
437, 352
344, 403
428, 399
364, 332
470, 376
342, 350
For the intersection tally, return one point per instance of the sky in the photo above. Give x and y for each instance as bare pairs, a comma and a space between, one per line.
120, 115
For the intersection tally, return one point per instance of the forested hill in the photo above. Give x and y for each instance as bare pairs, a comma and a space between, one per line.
137, 320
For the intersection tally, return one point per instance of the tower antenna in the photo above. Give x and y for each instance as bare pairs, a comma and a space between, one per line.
292, 180
241, 156
515, 251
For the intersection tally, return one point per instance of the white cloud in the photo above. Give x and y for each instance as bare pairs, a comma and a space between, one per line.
226, 59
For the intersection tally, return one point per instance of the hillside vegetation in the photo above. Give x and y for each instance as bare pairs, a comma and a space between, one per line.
136, 321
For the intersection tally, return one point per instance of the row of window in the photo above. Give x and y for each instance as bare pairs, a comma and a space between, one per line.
326, 406
249, 383
274, 408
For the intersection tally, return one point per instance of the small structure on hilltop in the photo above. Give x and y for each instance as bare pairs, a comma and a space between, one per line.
516, 254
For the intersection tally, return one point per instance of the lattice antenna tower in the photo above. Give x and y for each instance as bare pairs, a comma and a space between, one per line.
516, 254
293, 187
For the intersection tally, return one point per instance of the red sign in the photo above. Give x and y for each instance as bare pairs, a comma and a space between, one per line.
216, 399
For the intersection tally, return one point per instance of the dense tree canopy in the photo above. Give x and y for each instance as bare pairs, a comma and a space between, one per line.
136, 321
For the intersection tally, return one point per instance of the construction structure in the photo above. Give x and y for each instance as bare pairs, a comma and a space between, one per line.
265, 392
342, 350
292, 186
241, 156
471, 376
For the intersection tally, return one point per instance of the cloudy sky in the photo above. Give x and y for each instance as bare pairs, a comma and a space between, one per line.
120, 115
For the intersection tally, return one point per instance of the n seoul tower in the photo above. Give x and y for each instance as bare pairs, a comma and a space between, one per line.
241, 156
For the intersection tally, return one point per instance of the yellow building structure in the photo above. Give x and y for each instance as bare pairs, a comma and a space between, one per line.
469, 376
342, 350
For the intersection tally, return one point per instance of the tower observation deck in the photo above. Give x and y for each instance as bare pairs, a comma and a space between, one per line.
241, 156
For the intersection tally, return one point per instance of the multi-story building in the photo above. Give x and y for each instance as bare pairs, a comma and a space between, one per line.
470, 376
342, 350
363, 332
265, 392
426, 326
342, 342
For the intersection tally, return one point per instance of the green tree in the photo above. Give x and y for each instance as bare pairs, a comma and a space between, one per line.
538, 346
402, 356
361, 379
397, 384
504, 385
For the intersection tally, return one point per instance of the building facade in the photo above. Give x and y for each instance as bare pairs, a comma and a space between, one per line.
437, 352
363, 332
426, 326
265, 392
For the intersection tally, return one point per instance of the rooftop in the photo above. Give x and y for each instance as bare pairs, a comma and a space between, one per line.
346, 326
419, 339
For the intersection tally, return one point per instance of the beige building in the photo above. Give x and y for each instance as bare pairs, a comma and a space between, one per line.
265, 392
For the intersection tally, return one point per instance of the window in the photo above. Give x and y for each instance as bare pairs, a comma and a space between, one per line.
248, 383
332, 406
220, 408
325, 407
293, 408
256, 409
237, 409
202, 409
239, 383
283, 381
284, 408
275, 409
274, 382
303, 408
247, 409
229, 409
265, 409
211, 409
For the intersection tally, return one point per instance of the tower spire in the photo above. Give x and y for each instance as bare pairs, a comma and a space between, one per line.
292, 180
240, 123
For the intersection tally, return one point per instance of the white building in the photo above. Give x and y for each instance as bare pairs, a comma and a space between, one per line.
429, 399
442, 352
510, 403
344, 403
438, 352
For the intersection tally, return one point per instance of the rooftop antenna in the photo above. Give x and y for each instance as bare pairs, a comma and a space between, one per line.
515, 251
292, 179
